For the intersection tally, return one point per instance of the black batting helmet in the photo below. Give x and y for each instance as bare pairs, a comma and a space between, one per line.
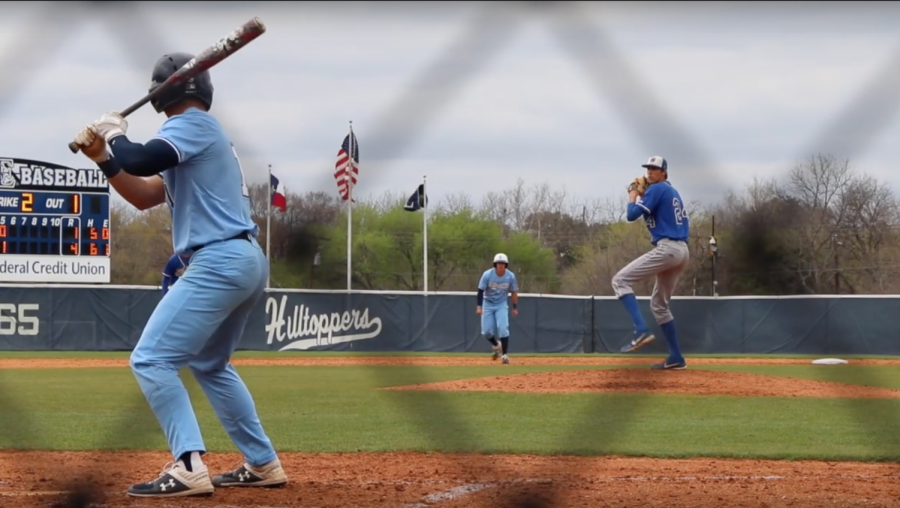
199, 87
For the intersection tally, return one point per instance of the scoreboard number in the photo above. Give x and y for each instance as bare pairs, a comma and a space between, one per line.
54, 223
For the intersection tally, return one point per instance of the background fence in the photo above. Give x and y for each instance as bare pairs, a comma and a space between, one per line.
89, 318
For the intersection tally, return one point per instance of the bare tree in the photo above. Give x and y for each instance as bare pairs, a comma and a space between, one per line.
517, 200
818, 184
387, 200
866, 236
611, 210
457, 203
495, 206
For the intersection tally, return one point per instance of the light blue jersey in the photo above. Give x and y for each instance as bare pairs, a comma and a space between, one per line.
200, 320
663, 211
206, 192
496, 288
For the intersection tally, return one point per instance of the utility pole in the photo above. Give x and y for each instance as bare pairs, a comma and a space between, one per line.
837, 265
317, 259
312, 268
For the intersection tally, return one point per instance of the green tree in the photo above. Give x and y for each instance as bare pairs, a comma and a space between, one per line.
611, 249
461, 245
534, 266
386, 249
141, 244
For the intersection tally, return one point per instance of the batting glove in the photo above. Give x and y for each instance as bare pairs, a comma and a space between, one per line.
91, 144
111, 125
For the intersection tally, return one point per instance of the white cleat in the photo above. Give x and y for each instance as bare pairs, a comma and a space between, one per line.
176, 481
269, 475
505, 359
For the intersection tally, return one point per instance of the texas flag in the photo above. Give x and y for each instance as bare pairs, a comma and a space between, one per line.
279, 200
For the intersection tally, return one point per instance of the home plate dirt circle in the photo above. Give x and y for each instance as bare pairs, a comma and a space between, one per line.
436, 480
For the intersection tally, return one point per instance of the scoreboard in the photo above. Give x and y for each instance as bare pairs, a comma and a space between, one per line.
54, 223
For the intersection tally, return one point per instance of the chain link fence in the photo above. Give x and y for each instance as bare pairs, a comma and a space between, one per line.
118, 42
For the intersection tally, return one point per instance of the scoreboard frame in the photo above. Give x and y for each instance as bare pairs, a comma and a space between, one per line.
54, 223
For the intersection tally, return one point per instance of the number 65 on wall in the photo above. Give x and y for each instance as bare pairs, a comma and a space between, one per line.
12, 315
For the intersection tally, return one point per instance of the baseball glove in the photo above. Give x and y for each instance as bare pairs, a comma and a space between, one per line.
639, 184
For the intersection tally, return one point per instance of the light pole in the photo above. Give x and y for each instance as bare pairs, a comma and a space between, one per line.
316, 262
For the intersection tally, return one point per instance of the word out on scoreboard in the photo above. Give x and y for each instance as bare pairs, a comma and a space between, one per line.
54, 223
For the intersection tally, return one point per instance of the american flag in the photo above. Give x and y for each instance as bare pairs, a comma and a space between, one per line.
343, 165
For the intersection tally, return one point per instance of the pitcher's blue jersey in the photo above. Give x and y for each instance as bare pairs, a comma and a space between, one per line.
496, 288
664, 213
206, 192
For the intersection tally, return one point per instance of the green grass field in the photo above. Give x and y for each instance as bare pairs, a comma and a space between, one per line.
339, 409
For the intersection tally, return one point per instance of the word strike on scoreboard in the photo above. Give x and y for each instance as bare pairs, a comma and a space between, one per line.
54, 223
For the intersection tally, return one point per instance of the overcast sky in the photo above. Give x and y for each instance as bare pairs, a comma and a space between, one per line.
725, 91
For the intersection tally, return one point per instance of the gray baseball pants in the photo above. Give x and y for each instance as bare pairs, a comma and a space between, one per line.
667, 261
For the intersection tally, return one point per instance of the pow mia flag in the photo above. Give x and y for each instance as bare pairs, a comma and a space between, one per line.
417, 200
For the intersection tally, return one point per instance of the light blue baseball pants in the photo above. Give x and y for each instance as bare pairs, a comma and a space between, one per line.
495, 320
198, 324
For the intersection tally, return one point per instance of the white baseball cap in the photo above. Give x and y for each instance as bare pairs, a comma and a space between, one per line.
657, 162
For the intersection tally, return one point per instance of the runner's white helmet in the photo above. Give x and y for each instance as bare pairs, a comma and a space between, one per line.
501, 258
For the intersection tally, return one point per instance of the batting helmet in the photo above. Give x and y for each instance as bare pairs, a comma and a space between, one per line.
199, 87
501, 258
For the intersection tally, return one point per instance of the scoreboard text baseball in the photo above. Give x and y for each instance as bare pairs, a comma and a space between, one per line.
54, 223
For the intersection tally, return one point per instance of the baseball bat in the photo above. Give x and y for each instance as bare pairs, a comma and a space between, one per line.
209, 57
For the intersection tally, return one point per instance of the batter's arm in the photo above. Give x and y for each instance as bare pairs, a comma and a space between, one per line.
150, 159
142, 192
515, 302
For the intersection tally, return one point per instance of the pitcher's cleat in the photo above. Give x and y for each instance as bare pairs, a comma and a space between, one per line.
670, 365
637, 343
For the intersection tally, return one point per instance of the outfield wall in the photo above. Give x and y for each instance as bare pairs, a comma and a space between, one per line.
110, 318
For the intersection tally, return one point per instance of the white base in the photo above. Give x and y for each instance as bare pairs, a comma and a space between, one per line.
830, 361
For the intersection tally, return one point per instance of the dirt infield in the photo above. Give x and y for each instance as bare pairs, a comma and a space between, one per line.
687, 382
423, 361
409, 480
434, 480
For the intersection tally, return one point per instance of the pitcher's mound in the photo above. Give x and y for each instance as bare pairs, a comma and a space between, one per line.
682, 382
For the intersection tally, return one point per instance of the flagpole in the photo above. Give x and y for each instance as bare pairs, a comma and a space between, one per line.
350, 208
425, 233
425, 257
269, 230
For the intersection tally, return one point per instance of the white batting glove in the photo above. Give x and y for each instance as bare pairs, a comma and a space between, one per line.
111, 125
91, 144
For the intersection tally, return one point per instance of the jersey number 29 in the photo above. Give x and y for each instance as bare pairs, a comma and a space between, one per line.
244, 190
